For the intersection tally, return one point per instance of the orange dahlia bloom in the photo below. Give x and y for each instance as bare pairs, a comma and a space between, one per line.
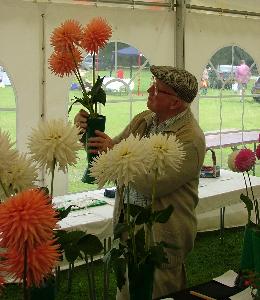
96, 35
66, 35
65, 63
26, 217
40, 263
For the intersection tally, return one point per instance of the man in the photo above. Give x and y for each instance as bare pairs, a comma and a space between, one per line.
242, 75
169, 112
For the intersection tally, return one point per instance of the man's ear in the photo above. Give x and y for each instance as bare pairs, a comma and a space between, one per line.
176, 104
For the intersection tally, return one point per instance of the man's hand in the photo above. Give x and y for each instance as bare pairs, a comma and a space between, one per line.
101, 142
80, 120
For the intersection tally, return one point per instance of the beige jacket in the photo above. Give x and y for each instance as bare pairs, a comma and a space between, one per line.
177, 188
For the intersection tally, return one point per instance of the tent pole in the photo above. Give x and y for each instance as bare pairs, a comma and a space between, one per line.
180, 34
42, 84
115, 58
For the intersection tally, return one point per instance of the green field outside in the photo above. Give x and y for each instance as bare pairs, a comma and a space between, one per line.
118, 116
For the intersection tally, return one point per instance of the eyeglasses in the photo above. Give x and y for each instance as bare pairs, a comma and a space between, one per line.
157, 91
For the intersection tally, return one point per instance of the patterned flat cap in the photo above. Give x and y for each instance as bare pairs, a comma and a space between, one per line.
181, 81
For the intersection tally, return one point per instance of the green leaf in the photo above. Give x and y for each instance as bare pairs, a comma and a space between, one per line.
112, 255
84, 102
100, 97
89, 244
144, 215
60, 238
97, 93
120, 228
73, 237
158, 255
61, 213
140, 241
162, 216
249, 205
119, 267
71, 253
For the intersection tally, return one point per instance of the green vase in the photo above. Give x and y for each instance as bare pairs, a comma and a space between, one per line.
141, 281
45, 291
97, 123
247, 256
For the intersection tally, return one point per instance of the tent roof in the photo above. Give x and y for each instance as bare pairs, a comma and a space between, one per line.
128, 51
249, 7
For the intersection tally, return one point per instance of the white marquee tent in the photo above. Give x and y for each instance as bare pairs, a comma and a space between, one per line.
188, 36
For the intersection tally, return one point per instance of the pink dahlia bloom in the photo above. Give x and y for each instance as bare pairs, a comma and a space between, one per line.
245, 160
257, 152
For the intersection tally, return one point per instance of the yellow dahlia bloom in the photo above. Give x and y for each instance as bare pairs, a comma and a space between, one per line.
55, 140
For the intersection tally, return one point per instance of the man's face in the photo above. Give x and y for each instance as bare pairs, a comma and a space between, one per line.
160, 98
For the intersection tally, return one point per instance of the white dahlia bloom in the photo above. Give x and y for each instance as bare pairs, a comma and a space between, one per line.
100, 169
122, 163
128, 159
54, 140
7, 154
164, 152
21, 175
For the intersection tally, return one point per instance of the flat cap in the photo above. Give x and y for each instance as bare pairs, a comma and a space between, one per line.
181, 81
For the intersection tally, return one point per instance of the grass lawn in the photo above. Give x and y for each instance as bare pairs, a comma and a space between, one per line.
209, 259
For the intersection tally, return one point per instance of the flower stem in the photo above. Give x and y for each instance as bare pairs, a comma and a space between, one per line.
3, 188
94, 76
154, 188
25, 290
245, 184
79, 78
94, 67
254, 200
52, 176
127, 207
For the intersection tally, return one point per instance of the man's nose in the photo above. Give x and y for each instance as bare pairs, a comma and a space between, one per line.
151, 89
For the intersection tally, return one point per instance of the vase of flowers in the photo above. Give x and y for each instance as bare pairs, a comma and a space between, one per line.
136, 253
243, 161
69, 40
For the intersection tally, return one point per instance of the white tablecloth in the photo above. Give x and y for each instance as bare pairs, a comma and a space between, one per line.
214, 193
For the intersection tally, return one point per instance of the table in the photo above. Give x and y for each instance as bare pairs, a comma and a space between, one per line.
214, 194
212, 289
231, 138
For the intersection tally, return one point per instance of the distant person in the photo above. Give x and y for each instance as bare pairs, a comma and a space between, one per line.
242, 75
204, 83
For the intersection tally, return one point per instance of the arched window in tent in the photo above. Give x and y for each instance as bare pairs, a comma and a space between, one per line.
229, 102
127, 78
7, 105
